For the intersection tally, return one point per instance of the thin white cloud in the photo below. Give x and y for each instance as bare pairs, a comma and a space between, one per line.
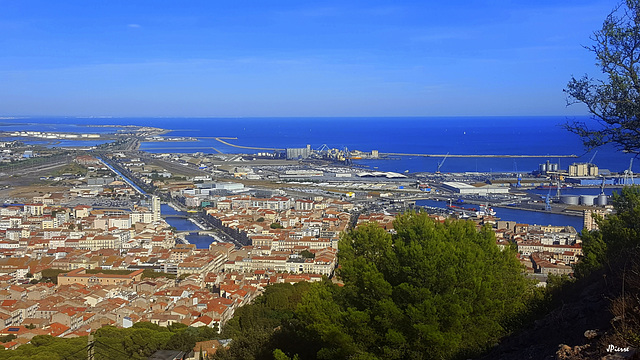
134, 26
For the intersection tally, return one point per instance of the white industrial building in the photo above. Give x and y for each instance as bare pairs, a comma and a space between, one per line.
468, 189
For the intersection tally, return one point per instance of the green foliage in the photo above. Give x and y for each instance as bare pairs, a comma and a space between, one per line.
260, 219
255, 328
7, 338
622, 230
279, 355
557, 282
614, 102
51, 275
185, 338
431, 291
307, 254
137, 342
71, 168
617, 233
151, 274
594, 249
49, 347
275, 226
175, 327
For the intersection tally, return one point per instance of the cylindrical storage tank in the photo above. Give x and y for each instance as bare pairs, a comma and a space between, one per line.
587, 200
543, 168
602, 200
553, 167
570, 199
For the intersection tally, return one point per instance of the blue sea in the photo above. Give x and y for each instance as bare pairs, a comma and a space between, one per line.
424, 135
420, 135
413, 135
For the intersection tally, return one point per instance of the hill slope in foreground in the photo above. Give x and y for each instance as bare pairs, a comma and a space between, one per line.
597, 317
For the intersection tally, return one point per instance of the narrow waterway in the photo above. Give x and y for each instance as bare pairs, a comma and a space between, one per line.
183, 224
522, 216
126, 179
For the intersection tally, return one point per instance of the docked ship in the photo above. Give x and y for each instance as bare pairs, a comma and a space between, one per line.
547, 187
466, 212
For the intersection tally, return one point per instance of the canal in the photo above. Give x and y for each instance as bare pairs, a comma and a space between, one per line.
522, 216
184, 224
126, 179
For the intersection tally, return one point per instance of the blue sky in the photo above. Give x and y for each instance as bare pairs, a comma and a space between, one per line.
293, 58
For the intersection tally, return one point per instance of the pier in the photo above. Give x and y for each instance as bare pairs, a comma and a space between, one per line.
381, 155
185, 148
481, 155
243, 147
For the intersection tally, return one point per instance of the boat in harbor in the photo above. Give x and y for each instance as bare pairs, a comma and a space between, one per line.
465, 212
547, 187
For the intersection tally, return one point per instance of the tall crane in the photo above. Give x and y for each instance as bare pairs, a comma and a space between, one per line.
628, 174
347, 155
547, 201
440, 163
593, 157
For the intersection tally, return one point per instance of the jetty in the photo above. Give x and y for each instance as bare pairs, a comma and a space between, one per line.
220, 139
480, 155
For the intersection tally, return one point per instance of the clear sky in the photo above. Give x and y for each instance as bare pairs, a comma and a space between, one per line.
294, 58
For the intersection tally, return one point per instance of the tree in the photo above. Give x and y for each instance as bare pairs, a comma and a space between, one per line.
613, 102
279, 355
307, 254
618, 233
430, 291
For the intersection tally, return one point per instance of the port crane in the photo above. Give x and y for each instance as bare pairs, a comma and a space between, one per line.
323, 149
547, 201
441, 163
628, 174
347, 156
593, 157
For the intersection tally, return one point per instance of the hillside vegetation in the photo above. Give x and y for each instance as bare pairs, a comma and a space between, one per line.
431, 291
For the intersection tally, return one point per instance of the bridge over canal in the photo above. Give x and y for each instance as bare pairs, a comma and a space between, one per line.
199, 232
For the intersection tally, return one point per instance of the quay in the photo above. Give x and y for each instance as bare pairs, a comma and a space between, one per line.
556, 209
186, 148
481, 155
